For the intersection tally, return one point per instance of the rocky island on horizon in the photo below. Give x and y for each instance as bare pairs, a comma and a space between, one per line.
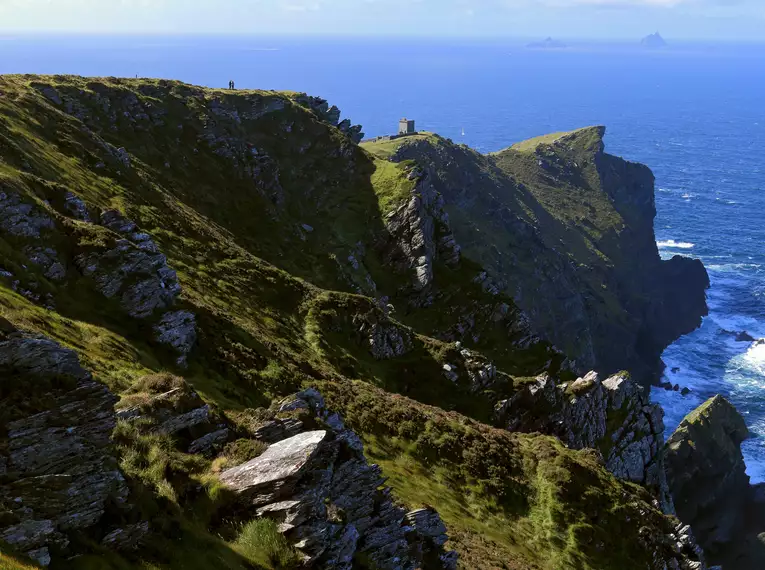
548, 43
234, 337
654, 41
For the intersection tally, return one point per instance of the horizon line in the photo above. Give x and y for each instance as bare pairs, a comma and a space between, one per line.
4, 33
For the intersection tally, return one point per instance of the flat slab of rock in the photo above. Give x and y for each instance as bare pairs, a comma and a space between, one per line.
280, 463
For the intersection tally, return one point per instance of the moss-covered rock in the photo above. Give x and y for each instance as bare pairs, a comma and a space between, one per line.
706, 472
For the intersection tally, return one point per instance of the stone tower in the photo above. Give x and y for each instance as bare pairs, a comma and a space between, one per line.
406, 127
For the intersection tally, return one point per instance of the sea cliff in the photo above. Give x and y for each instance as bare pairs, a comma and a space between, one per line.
234, 337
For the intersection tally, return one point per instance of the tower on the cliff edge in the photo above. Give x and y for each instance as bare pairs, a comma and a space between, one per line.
406, 127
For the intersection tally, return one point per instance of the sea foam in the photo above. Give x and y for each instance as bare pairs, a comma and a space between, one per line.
672, 244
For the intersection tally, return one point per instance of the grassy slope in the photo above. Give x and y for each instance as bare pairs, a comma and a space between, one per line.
252, 277
510, 500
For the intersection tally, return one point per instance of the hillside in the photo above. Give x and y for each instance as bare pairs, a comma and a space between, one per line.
232, 271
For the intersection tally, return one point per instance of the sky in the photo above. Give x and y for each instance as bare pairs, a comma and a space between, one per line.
586, 19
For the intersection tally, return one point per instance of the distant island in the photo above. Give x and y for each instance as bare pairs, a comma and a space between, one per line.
549, 43
654, 41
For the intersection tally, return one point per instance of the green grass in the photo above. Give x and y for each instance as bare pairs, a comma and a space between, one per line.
386, 149
531, 145
9, 561
391, 184
260, 542
521, 500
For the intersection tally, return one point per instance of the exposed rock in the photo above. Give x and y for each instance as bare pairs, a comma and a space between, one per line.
419, 234
123, 156
207, 444
62, 467
277, 430
178, 330
76, 207
330, 115
496, 195
47, 258
706, 472
185, 421
613, 416
20, 218
331, 504
480, 371
179, 412
450, 372
428, 523
128, 538
385, 339
132, 269
50, 93
274, 473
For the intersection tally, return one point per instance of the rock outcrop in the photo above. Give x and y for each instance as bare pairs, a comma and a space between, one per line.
419, 234
132, 269
57, 469
331, 503
166, 404
331, 115
612, 416
135, 271
385, 339
706, 473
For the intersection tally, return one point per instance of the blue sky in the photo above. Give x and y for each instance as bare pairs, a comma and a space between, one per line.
596, 19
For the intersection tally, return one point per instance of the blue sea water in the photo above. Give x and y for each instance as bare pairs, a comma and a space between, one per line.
693, 113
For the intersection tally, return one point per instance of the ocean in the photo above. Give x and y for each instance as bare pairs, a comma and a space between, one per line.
694, 113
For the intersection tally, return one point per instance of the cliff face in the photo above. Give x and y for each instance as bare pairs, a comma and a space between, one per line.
567, 231
243, 242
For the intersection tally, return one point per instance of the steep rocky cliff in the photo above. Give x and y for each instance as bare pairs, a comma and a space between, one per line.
567, 231
207, 259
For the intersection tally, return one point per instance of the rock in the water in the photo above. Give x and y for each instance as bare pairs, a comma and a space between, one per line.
706, 472
744, 336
